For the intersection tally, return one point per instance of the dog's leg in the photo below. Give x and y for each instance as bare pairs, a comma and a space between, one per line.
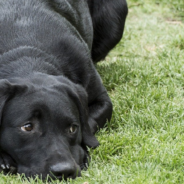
99, 103
108, 18
100, 111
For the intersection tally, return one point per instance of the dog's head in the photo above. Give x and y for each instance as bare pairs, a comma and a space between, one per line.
44, 126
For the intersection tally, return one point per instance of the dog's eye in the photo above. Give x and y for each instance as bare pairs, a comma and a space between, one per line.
73, 129
27, 127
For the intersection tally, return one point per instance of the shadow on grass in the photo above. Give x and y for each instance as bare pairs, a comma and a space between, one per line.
114, 74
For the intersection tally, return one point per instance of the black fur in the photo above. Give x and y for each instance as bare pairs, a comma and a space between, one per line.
108, 18
49, 84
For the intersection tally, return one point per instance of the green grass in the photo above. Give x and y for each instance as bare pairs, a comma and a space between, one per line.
144, 75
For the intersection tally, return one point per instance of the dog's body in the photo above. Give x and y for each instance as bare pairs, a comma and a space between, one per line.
52, 99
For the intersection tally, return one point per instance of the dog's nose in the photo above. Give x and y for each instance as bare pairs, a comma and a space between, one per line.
64, 170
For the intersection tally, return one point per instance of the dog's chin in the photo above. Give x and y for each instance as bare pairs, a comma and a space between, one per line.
46, 175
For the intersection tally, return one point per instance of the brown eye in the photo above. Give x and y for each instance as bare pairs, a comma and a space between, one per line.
73, 129
27, 127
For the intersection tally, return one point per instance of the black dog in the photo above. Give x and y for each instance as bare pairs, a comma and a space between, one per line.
52, 100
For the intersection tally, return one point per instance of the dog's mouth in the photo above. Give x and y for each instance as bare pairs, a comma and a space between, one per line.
83, 166
13, 169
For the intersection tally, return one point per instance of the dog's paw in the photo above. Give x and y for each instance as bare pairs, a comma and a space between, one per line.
7, 165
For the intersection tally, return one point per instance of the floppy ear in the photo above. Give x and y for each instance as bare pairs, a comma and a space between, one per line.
4, 91
79, 95
7, 90
88, 138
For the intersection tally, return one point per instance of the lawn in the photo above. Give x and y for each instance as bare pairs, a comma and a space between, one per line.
144, 75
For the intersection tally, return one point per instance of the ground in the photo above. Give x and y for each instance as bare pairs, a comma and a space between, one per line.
144, 76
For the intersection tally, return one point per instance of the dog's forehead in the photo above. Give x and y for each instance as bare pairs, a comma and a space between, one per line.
52, 103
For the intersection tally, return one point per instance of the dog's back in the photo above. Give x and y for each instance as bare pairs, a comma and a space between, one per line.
33, 23
52, 99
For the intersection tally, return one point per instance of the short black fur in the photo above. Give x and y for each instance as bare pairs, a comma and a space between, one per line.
52, 100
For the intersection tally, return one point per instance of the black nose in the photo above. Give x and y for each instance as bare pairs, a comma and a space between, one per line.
64, 170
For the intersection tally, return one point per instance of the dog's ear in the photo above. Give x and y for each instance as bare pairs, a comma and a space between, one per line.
7, 90
4, 88
80, 97
88, 138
